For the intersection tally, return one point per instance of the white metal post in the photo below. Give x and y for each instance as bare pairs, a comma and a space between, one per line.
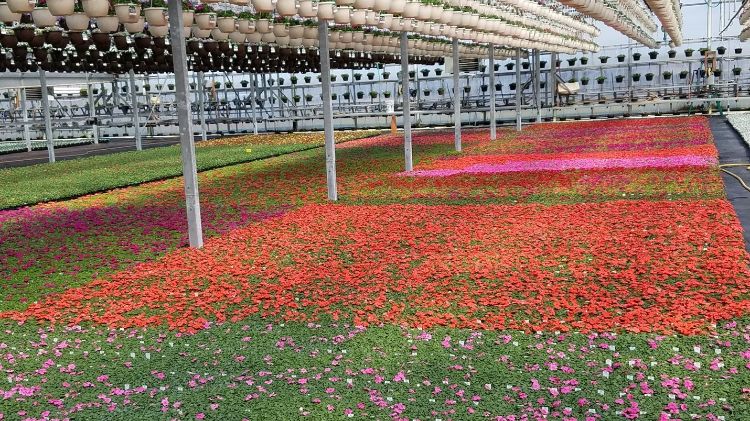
493, 93
538, 84
518, 89
201, 104
47, 118
25, 119
92, 113
709, 33
325, 73
408, 166
456, 96
136, 119
185, 116
252, 104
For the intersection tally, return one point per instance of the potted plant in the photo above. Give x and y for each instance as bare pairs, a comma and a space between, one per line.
717, 72
155, 13
509, 66
386, 75
229, 84
482, 69
721, 50
512, 86
345, 77
689, 52
334, 97
702, 51
572, 80
192, 85
584, 60
373, 95
441, 91
146, 87
217, 85
281, 81
439, 72
308, 97
294, 79
296, 99
484, 88
426, 92
636, 77
360, 94
308, 79
498, 87
333, 78
244, 83
170, 86
619, 78
738, 50
672, 53
467, 89
572, 61
600, 80
387, 94
649, 76
584, 81
370, 76
358, 76
425, 72
636, 56
542, 64
159, 86
603, 59
94, 91
737, 71
684, 74
83, 92
667, 75
653, 54
497, 67
412, 73
347, 95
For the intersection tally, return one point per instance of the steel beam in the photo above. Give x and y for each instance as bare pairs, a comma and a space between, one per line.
408, 162
325, 73
184, 114
47, 118
92, 113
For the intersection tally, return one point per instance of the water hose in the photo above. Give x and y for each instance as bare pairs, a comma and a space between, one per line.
724, 167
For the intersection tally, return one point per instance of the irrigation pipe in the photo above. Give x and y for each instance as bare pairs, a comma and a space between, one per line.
747, 167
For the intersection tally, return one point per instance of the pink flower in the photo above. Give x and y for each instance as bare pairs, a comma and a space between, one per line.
200, 416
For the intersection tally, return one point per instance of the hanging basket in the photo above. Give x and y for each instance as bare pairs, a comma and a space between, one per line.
107, 24
21, 6
95, 8
7, 16
77, 22
43, 18
128, 13
155, 16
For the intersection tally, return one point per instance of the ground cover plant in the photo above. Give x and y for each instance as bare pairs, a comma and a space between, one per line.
65, 179
587, 270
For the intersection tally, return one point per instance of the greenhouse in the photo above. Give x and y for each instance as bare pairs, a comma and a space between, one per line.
375, 209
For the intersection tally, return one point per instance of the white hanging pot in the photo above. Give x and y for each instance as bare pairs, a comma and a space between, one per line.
344, 2
205, 20
21, 6
218, 35
239, 2
107, 24
325, 10
200, 33
296, 31
263, 26
396, 7
381, 5
6, 15
137, 26
295, 42
280, 30
309, 42
282, 41
411, 9
286, 7
95, 8
78, 22
42, 17
225, 24
358, 17
127, 13
364, 4
254, 38
61, 7
237, 37
263, 6
268, 37
307, 9
372, 18
342, 15
156, 16
158, 31
187, 18
346, 37
243, 26
310, 32
358, 37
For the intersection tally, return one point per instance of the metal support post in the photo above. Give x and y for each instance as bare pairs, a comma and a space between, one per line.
136, 112
47, 118
553, 79
92, 114
185, 116
519, 88
493, 93
202, 104
25, 119
252, 103
456, 96
538, 85
408, 165
325, 73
